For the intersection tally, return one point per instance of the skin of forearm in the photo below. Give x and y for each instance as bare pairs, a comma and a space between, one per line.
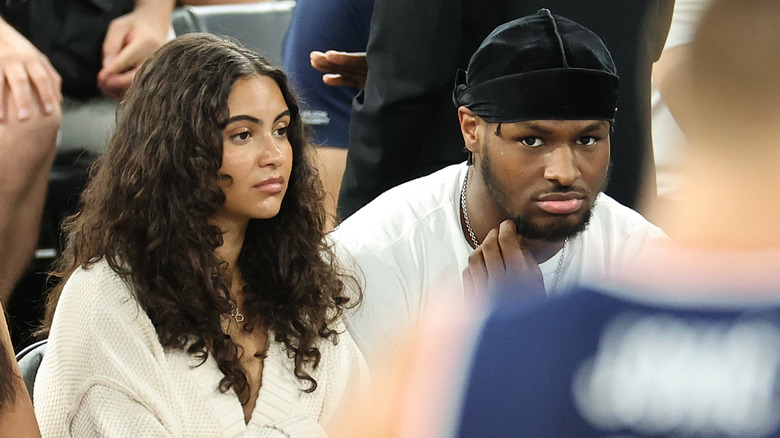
671, 78
17, 418
160, 10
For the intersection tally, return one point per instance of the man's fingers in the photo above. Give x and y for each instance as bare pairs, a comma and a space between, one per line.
522, 271
56, 80
44, 83
113, 41
469, 288
129, 58
355, 61
515, 258
477, 270
494, 261
115, 85
318, 60
341, 68
21, 91
332, 79
339, 80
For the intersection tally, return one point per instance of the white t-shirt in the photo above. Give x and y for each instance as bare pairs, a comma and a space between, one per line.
410, 251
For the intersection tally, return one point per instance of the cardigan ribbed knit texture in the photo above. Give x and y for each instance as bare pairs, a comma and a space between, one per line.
105, 373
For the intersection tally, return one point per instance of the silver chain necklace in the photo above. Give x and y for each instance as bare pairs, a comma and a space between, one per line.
475, 242
466, 211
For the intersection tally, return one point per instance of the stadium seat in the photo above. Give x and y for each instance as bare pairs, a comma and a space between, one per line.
29, 360
260, 26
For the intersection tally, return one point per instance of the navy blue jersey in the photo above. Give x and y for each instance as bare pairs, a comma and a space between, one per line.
593, 364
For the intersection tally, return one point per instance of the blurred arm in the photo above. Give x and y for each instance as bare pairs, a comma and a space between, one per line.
17, 418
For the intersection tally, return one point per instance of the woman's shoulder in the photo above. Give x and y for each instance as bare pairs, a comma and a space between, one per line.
97, 281
96, 293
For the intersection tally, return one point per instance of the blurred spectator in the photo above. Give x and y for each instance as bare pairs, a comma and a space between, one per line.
669, 142
317, 26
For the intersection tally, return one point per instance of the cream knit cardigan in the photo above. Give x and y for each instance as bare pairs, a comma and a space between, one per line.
105, 373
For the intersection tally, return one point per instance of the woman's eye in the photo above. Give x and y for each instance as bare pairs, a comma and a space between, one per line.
242, 136
531, 141
281, 132
588, 140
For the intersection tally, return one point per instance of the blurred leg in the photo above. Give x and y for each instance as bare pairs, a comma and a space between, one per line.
27, 150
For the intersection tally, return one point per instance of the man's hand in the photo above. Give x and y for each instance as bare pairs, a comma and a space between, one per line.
30, 76
501, 262
341, 68
130, 39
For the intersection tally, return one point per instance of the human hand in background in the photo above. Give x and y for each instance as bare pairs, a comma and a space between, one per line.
31, 78
501, 262
341, 68
130, 39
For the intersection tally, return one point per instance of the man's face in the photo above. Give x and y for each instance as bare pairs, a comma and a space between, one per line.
545, 174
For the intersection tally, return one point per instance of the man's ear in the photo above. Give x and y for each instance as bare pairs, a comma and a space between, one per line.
469, 122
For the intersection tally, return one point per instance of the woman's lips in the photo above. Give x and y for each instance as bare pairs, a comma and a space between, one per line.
271, 185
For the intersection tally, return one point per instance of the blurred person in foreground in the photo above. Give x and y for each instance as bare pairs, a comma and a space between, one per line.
27, 148
685, 344
196, 295
536, 108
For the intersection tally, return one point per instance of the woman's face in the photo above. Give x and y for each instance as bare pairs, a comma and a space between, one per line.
256, 154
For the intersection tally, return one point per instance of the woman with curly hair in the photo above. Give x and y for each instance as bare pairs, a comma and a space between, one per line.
198, 296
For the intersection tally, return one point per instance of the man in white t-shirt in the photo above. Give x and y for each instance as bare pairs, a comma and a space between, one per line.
535, 109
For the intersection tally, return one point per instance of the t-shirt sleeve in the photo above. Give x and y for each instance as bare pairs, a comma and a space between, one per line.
377, 323
685, 19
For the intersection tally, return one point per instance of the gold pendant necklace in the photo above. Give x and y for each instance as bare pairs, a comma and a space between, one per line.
236, 313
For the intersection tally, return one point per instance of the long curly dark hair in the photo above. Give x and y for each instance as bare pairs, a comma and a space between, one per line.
147, 206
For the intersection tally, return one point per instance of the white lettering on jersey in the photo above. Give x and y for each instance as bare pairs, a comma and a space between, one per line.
658, 374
